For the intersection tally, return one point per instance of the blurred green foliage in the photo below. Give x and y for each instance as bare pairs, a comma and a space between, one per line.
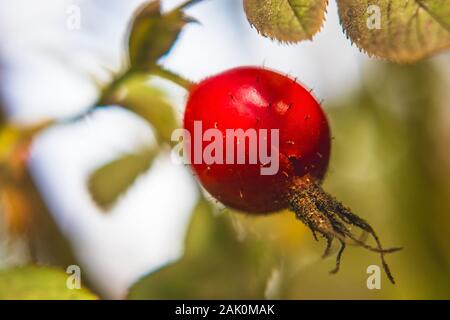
32, 282
216, 264
112, 180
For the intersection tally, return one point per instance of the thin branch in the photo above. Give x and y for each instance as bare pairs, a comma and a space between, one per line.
169, 75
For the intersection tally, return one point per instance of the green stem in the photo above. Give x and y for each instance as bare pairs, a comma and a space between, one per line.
175, 78
108, 91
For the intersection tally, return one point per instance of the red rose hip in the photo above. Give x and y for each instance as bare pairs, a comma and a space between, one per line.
260, 142
254, 98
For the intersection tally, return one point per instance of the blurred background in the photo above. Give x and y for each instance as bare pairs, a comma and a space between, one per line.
390, 161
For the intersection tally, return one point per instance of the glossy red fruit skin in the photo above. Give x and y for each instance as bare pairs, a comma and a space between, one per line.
253, 97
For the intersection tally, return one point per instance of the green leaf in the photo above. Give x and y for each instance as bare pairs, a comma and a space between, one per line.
439, 9
112, 180
216, 264
152, 105
153, 34
408, 30
41, 283
286, 20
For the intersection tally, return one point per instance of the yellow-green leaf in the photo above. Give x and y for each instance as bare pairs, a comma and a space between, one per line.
286, 20
402, 31
109, 182
40, 283
153, 34
439, 9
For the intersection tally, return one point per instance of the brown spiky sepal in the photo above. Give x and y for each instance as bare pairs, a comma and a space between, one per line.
326, 216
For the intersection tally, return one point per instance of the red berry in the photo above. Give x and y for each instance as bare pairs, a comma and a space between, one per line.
256, 98
259, 101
